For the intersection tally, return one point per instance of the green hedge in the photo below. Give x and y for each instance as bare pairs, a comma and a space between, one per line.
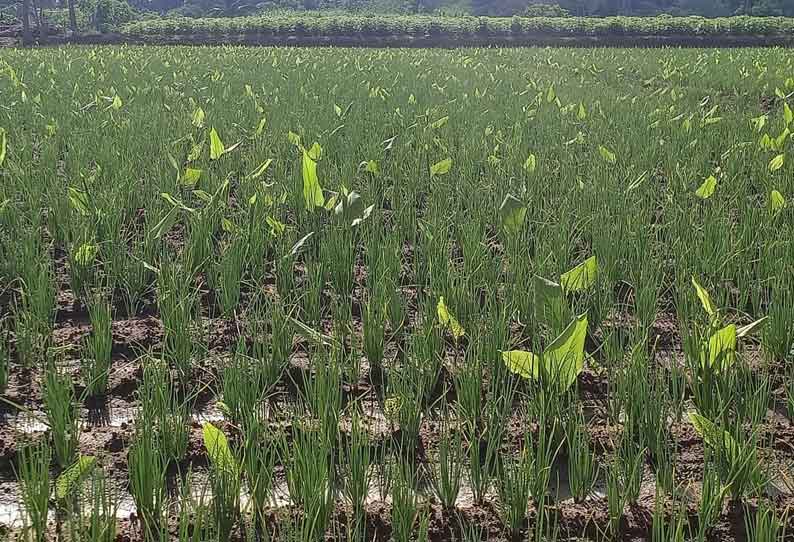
330, 26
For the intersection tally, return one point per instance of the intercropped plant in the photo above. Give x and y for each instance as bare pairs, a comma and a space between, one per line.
5, 358
147, 475
446, 476
357, 460
406, 508
33, 473
62, 413
583, 468
95, 364
93, 519
164, 410
176, 299
310, 477
712, 499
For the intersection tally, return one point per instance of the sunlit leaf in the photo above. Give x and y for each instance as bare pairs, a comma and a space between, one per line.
191, 176
69, 480
707, 188
776, 201
749, 329
446, 319
312, 191
512, 214
607, 155
705, 298
524, 364
216, 145
198, 118
259, 171
581, 277
441, 168
3, 146
564, 358
85, 254
117, 103
777, 162
439, 123
530, 163
721, 441
722, 348
218, 449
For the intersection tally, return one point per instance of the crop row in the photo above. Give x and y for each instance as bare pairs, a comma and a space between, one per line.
464, 26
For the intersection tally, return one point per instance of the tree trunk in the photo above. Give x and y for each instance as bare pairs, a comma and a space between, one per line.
72, 16
25, 22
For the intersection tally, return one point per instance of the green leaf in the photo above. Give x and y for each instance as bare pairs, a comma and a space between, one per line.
524, 364
294, 138
364, 216
581, 277
720, 441
312, 191
260, 128
165, 224
191, 176
607, 155
67, 482
582, 114
776, 201
85, 254
551, 94
3, 146
777, 162
316, 152
531, 163
276, 226
198, 118
564, 358
297, 246
512, 214
705, 298
441, 168
748, 330
758, 123
722, 348
216, 145
117, 103
707, 188
79, 201
788, 116
338, 111
258, 172
439, 123
447, 320
549, 298
218, 449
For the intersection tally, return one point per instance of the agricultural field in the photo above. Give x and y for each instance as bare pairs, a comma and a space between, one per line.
481, 294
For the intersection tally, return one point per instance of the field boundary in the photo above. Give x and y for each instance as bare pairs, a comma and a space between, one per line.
427, 41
